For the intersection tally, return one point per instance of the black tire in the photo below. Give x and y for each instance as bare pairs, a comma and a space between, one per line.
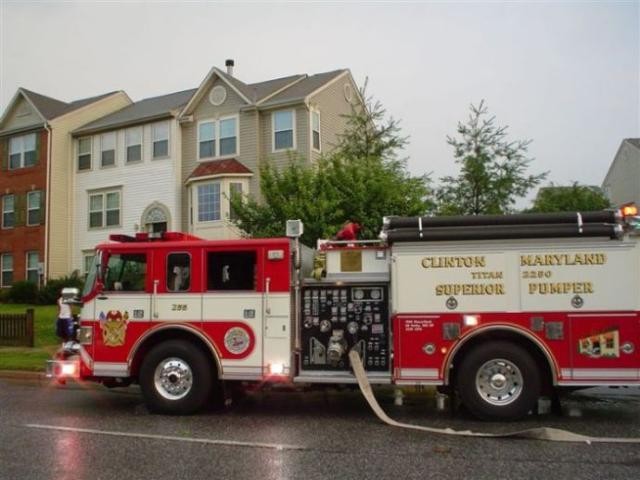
176, 378
499, 381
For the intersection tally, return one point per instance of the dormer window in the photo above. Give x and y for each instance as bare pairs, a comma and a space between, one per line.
283, 123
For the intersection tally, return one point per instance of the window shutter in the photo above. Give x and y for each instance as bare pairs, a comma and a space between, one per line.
20, 209
43, 203
38, 142
4, 152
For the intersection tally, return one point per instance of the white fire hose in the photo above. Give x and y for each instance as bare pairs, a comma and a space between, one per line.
541, 433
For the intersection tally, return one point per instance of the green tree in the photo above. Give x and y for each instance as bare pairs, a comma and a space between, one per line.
362, 179
570, 198
493, 169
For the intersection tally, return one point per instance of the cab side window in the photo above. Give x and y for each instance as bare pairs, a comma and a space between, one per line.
127, 272
231, 271
178, 272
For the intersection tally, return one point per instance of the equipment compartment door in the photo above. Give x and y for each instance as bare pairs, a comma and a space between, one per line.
605, 347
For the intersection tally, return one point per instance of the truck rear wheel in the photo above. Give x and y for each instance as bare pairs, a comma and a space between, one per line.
176, 378
499, 381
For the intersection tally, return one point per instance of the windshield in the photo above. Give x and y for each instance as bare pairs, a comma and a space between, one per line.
92, 273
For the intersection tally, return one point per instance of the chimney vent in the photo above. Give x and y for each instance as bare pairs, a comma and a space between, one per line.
229, 63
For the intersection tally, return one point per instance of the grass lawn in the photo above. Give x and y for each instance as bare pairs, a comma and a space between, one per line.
46, 342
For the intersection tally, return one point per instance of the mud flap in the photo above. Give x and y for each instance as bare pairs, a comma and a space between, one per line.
541, 433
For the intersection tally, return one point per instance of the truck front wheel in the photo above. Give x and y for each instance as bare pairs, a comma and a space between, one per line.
176, 378
499, 380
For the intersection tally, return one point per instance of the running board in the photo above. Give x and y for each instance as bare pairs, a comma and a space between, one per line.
341, 377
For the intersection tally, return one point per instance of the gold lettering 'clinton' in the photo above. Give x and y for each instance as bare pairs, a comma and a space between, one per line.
453, 262
561, 259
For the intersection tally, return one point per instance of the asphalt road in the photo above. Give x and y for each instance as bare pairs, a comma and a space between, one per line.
74, 433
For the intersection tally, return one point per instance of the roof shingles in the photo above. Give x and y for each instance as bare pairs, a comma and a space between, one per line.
228, 166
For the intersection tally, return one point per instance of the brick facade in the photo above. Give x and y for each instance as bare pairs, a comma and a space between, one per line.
23, 238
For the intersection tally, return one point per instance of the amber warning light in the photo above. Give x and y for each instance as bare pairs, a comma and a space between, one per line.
629, 210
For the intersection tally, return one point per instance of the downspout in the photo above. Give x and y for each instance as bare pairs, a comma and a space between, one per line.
45, 272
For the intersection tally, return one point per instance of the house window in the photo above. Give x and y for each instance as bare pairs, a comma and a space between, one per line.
207, 140
226, 129
178, 272
133, 138
160, 138
22, 151
34, 203
8, 211
104, 209
228, 136
32, 267
315, 129
283, 130
209, 202
6, 270
235, 188
84, 153
108, 149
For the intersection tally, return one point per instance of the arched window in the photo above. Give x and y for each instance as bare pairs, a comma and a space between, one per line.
155, 218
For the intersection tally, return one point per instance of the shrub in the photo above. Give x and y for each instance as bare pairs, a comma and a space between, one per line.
4, 295
50, 292
23, 292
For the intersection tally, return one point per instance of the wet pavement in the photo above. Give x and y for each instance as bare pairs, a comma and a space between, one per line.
77, 432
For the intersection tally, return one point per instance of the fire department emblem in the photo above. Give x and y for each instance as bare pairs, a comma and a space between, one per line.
114, 327
236, 340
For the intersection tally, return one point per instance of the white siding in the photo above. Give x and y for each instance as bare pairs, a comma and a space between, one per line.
141, 184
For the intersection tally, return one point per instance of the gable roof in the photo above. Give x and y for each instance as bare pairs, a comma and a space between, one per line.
267, 93
304, 88
51, 108
633, 141
228, 166
148, 109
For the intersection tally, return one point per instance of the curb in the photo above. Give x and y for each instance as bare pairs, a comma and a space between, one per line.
23, 375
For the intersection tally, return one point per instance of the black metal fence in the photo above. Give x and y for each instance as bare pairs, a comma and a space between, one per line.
16, 329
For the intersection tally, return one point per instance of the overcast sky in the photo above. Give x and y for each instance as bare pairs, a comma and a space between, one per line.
564, 74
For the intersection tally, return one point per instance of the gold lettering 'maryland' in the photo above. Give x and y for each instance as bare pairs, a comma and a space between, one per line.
562, 259
454, 262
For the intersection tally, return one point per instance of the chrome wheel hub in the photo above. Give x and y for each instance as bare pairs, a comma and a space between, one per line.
499, 382
173, 378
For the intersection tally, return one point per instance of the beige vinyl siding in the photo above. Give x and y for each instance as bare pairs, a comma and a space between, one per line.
22, 116
332, 105
247, 141
622, 183
61, 205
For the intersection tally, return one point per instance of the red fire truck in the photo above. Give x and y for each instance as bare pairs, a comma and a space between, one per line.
500, 309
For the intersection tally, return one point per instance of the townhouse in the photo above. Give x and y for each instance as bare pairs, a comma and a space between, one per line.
127, 173
36, 181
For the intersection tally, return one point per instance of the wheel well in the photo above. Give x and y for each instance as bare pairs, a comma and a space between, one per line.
172, 334
516, 338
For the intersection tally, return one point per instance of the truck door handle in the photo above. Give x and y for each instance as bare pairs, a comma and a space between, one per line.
267, 307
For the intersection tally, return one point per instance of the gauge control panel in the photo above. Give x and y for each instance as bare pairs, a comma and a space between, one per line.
336, 319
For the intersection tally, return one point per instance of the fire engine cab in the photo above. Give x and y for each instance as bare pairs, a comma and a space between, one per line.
500, 309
